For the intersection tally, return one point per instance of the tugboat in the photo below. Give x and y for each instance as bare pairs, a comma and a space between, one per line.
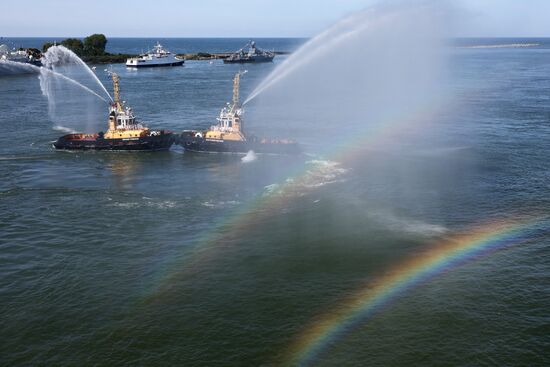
158, 56
124, 132
228, 135
252, 54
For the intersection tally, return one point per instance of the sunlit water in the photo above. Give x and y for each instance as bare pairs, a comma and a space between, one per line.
199, 260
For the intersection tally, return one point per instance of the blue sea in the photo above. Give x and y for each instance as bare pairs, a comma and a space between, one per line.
174, 258
175, 45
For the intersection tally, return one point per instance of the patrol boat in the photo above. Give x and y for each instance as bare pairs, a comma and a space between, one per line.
158, 56
25, 56
124, 132
18, 61
228, 135
250, 53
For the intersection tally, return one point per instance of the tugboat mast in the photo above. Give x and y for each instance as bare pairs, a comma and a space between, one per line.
236, 84
235, 107
228, 135
116, 91
124, 131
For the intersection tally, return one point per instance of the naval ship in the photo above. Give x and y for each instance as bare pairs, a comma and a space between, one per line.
228, 135
124, 132
248, 54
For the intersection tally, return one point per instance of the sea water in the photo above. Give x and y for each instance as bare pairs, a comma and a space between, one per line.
200, 260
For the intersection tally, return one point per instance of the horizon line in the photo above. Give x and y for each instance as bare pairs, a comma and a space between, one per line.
249, 37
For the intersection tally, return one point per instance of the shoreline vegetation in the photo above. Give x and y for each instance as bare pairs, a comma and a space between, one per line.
92, 51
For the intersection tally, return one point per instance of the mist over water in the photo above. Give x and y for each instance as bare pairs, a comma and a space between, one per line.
77, 100
374, 84
371, 70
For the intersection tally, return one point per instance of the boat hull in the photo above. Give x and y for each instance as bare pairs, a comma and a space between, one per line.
152, 64
159, 142
245, 60
193, 143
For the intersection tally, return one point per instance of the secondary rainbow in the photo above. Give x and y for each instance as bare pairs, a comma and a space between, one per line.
440, 259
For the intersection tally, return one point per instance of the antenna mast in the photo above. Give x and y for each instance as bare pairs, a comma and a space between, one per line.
116, 90
236, 83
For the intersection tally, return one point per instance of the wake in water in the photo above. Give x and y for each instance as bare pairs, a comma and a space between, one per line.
509, 45
318, 173
401, 224
77, 100
249, 157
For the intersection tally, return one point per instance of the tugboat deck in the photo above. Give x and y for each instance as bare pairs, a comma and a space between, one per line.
228, 135
124, 132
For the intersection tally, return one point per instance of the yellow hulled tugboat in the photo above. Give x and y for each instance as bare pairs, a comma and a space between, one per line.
124, 132
228, 135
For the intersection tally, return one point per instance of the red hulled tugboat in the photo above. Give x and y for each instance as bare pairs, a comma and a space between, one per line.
124, 132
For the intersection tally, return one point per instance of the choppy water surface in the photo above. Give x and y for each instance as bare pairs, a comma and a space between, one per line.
201, 260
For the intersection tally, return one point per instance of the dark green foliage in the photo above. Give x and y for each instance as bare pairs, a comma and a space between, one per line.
197, 56
94, 45
46, 46
75, 45
92, 50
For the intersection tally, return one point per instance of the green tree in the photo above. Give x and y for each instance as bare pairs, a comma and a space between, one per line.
94, 45
74, 44
46, 46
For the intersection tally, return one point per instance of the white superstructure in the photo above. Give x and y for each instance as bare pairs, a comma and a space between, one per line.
13, 55
158, 56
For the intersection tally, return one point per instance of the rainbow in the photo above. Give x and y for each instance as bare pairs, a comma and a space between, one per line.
440, 259
264, 205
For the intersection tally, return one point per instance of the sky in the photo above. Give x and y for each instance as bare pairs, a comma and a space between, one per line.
246, 18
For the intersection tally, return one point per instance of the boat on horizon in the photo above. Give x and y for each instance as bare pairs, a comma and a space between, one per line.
158, 56
124, 132
14, 61
250, 54
228, 135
